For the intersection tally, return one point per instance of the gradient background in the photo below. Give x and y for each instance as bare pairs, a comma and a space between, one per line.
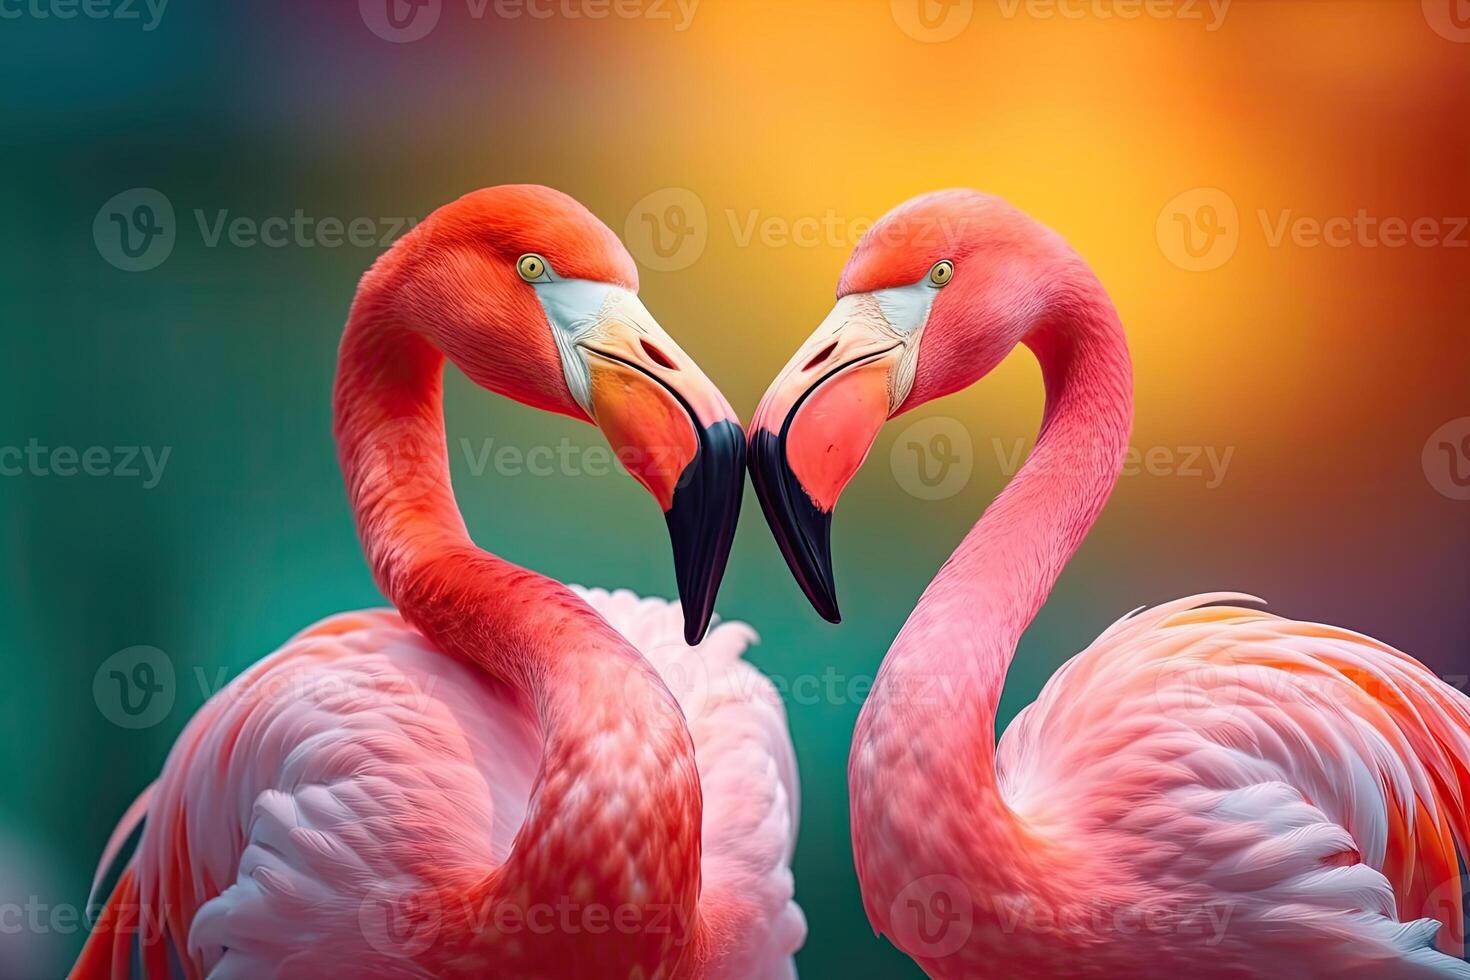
1324, 370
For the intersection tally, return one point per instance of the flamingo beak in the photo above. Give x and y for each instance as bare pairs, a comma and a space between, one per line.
673, 430
813, 429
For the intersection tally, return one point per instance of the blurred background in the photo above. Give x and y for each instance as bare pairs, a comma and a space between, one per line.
1274, 193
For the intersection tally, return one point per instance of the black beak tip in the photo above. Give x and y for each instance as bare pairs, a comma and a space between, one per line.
802, 529
694, 630
818, 586
826, 607
702, 520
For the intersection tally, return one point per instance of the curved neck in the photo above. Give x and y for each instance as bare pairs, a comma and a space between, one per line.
935, 698
610, 728
998, 578
389, 425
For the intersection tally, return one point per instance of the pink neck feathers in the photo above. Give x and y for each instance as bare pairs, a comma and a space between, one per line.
924, 749
612, 732
973, 613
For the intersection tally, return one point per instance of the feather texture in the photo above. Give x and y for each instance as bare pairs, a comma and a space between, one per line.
304, 801
1207, 790
1305, 780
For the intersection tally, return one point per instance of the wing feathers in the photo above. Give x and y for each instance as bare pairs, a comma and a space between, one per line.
304, 785
1318, 775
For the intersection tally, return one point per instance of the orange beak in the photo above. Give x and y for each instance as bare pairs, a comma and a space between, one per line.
672, 429
814, 427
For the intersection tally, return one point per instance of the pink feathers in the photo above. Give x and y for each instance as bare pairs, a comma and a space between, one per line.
1205, 791
494, 779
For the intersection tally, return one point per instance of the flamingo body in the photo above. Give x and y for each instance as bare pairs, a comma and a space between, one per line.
314, 816
1207, 790
1272, 798
494, 778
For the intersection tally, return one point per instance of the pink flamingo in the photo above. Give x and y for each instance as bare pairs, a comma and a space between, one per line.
494, 778
1206, 791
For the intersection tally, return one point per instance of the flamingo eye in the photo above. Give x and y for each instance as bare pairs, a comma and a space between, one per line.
531, 266
942, 272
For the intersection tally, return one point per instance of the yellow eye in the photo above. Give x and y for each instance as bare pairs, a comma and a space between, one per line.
531, 267
942, 272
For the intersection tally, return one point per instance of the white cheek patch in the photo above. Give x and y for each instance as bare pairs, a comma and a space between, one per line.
575, 308
906, 310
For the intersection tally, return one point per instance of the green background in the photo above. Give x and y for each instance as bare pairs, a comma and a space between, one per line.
1324, 371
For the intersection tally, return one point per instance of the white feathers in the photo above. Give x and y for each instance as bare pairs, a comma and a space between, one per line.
1273, 766
747, 769
306, 794
349, 757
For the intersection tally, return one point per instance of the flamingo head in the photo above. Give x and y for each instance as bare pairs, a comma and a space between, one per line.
536, 299
933, 297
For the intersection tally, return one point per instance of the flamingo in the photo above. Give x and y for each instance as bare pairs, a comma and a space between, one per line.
491, 778
1206, 790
